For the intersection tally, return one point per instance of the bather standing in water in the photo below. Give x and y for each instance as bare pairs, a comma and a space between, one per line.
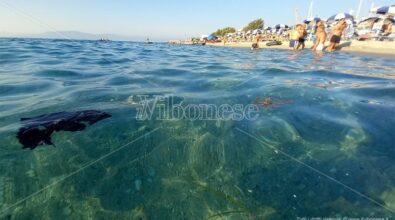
320, 37
337, 33
294, 37
302, 36
258, 38
255, 45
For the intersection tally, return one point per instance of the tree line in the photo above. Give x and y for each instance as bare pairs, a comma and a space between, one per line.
253, 25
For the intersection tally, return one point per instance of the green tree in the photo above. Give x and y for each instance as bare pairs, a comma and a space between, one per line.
224, 31
256, 24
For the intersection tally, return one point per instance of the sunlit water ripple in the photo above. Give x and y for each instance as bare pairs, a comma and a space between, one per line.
337, 121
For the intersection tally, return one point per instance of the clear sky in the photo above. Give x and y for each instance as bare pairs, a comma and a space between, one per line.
161, 19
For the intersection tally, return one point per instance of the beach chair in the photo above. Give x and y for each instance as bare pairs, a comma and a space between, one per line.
380, 35
376, 33
365, 34
390, 37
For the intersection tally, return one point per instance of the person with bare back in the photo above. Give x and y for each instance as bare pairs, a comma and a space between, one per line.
337, 33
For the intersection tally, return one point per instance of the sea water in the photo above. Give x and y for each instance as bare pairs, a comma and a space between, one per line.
323, 147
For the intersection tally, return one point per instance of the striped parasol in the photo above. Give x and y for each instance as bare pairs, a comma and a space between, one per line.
385, 10
340, 16
312, 20
280, 26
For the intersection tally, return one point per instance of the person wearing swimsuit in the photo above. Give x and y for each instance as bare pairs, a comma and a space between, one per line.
320, 37
337, 32
302, 36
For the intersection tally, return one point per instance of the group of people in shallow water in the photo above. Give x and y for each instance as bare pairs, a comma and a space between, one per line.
298, 36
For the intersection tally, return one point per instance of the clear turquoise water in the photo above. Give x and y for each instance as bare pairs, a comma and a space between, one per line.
328, 153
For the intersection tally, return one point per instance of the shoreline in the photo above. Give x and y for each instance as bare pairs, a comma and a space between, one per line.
365, 47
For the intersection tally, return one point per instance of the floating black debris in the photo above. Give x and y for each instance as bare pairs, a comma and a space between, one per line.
37, 131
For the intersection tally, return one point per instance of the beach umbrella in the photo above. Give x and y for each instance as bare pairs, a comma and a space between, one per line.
211, 37
340, 16
385, 10
370, 19
367, 23
310, 20
378, 23
280, 26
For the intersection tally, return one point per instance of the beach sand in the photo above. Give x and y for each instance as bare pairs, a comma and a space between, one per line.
372, 47
377, 47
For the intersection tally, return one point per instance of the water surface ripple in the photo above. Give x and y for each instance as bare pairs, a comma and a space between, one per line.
338, 118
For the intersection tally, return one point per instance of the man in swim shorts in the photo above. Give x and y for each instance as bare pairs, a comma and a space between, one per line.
255, 45
294, 37
320, 37
302, 36
337, 32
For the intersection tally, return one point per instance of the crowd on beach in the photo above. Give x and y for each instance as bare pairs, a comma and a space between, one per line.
325, 34
319, 33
